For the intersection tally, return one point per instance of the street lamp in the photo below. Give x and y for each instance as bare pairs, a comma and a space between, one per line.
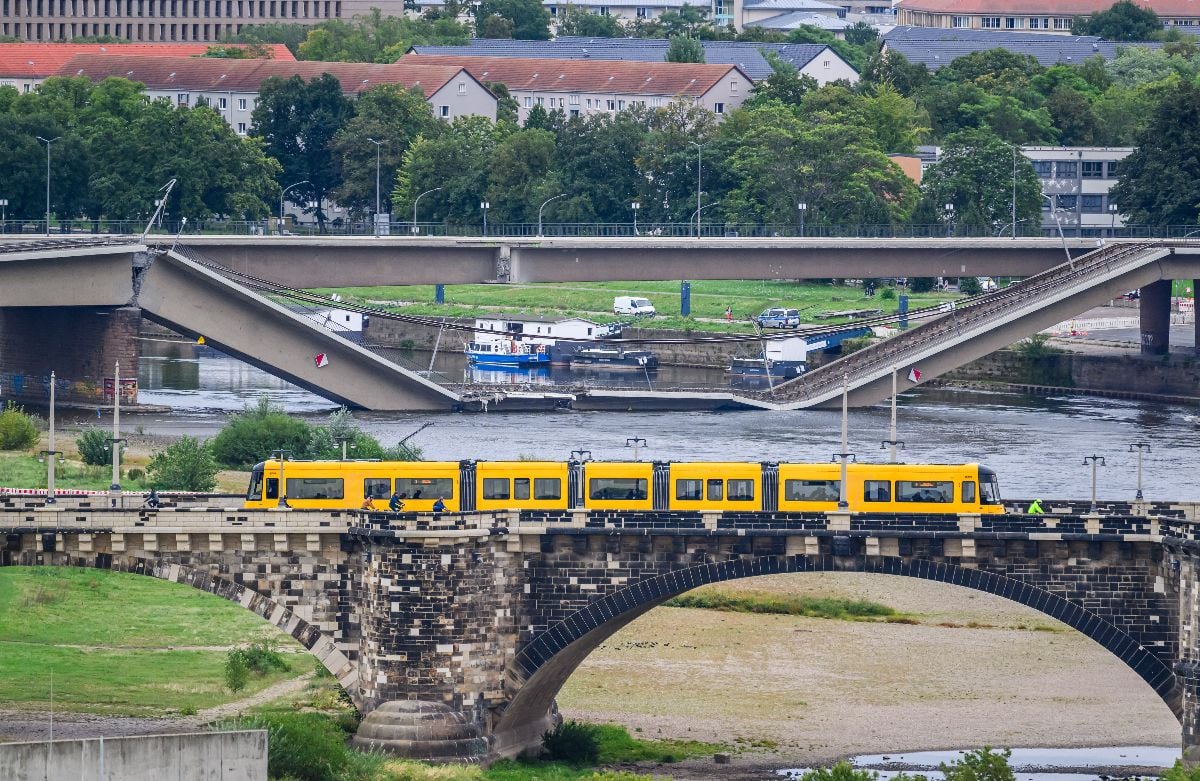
1140, 447
485, 205
345, 442
1112, 228
803, 209
377, 144
696, 214
635, 206
1061, 236
948, 211
282, 456
636, 443
581, 455
48, 455
418, 200
48, 142
543, 206
3, 215
285, 192
699, 168
115, 441
1094, 461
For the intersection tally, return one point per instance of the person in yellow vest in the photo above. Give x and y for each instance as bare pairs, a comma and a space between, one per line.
1035, 507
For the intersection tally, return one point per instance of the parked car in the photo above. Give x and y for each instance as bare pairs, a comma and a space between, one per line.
779, 318
632, 305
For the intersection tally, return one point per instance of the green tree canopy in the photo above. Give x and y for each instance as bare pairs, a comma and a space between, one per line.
456, 160
684, 49
1124, 21
1160, 180
529, 19
522, 175
575, 20
378, 38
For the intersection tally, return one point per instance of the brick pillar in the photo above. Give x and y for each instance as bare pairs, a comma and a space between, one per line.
436, 623
79, 344
1155, 313
1184, 568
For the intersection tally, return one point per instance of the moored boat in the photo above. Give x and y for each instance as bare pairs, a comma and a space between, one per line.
614, 358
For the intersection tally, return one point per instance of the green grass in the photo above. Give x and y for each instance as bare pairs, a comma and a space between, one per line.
617, 745
25, 471
782, 604
594, 300
107, 636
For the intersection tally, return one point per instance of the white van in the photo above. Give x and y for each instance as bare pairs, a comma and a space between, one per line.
632, 305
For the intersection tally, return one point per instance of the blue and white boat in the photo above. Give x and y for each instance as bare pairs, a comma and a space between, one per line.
507, 352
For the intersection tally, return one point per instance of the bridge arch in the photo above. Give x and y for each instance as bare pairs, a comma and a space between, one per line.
311, 637
540, 669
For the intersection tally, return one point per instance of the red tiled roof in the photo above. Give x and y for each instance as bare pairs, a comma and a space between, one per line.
1167, 8
218, 74
605, 77
38, 60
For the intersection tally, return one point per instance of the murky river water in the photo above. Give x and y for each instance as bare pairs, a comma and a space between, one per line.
1037, 445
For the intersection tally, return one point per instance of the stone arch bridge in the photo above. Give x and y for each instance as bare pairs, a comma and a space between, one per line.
453, 634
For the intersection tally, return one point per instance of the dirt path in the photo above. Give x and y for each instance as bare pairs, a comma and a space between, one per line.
274, 692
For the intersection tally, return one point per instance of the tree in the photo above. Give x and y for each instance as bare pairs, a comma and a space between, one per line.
250, 436
390, 114
785, 84
297, 121
666, 162
574, 20
1136, 66
1072, 114
1124, 21
1160, 180
520, 175
894, 69
378, 38
324, 442
861, 34
597, 165
456, 161
185, 465
975, 174
688, 21
898, 122
684, 49
290, 35
529, 18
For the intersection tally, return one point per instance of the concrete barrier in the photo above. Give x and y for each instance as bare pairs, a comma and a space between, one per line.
197, 756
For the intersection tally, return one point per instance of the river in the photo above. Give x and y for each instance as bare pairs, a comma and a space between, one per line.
1036, 444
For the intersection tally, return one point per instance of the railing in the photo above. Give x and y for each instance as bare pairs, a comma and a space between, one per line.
969, 313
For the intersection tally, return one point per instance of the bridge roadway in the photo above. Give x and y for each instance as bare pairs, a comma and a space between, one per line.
453, 634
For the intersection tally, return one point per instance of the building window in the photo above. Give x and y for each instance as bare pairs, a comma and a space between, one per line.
1062, 24
990, 22
960, 21
223, 103
1067, 169
445, 110
826, 64
1014, 23
604, 10
462, 88
641, 12
574, 112
1114, 169
733, 86
1092, 204
241, 128
528, 102
718, 108
554, 10
574, 100
241, 104
589, 102
1067, 202
620, 105
1039, 23
1093, 170
182, 98
612, 105
542, 101
1043, 168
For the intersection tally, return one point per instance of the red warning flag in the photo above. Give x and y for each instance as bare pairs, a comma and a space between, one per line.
914, 375
322, 360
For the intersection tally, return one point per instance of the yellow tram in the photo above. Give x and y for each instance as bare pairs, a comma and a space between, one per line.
465, 486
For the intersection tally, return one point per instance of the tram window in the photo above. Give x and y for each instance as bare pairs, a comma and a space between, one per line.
314, 488
272, 487
521, 488
989, 489
968, 492
716, 490
741, 490
812, 490
547, 488
689, 490
877, 491
377, 487
495, 488
256, 486
938, 491
425, 487
630, 488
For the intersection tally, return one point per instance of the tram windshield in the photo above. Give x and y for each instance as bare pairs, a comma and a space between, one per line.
254, 494
989, 487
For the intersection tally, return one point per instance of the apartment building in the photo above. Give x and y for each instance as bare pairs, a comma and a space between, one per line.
232, 87
26, 65
168, 20
1038, 16
1076, 182
815, 60
936, 47
582, 87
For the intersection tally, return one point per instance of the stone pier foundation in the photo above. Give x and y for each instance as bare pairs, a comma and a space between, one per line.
79, 344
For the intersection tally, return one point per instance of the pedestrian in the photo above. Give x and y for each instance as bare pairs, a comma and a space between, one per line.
729, 314
1035, 507
439, 506
395, 504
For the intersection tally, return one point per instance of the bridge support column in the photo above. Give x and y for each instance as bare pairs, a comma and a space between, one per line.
79, 344
1196, 316
1155, 313
438, 626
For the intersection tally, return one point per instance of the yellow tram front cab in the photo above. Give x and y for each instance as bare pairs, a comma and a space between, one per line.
923, 488
334, 485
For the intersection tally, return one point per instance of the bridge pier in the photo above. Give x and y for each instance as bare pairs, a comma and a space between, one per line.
80, 344
1155, 313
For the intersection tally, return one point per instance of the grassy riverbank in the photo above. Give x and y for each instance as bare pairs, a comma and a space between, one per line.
594, 300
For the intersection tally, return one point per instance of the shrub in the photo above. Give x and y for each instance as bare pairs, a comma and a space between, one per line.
303, 746
251, 435
573, 742
237, 672
980, 765
18, 429
921, 284
186, 465
135, 474
888, 294
969, 286
323, 442
93, 447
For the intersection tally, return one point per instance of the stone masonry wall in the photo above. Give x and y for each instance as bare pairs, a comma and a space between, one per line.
1174, 375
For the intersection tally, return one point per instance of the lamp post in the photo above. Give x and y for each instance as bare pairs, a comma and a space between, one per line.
378, 145
1094, 461
48, 142
345, 442
281, 195
50, 453
636, 443
1140, 447
1014, 194
845, 456
282, 456
581, 455
696, 214
1112, 228
485, 205
3, 215
635, 206
115, 441
802, 208
699, 168
418, 200
543, 206
948, 211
